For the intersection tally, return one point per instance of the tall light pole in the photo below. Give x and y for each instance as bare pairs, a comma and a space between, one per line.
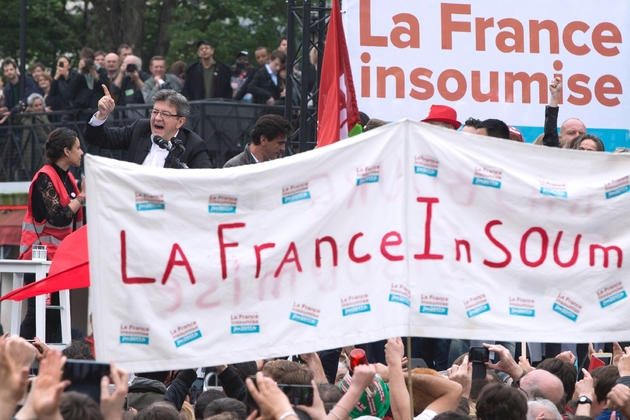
22, 47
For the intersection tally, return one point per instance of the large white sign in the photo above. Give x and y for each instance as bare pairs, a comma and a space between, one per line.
407, 229
491, 59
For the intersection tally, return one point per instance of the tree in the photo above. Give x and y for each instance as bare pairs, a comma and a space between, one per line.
170, 28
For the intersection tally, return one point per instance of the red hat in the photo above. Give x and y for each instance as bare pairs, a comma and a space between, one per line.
443, 113
515, 134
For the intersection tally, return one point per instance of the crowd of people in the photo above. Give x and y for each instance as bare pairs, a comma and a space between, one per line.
563, 385
337, 384
572, 133
75, 81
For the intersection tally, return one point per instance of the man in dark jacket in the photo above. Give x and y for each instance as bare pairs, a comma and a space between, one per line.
151, 142
85, 88
207, 78
269, 137
265, 86
12, 88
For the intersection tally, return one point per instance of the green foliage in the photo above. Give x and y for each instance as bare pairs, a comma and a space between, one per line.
61, 26
50, 30
231, 26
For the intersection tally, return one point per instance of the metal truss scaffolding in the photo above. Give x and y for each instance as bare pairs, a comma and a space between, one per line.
302, 77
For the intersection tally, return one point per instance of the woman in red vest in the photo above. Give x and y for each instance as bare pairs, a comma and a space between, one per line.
55, 209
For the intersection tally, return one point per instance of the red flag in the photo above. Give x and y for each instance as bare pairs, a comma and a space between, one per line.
337, 112
68, 270
595, 363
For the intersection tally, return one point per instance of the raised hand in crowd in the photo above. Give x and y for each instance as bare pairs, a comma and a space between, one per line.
105, 105
272, 402
41, 347
398, 394
362, 377
506, 363
591, 350
317, 411
584, 388
619, 399
524, 364
567, 356
555, 89
45, 396
617, 353
21, 351
314, 363
14, 377
112, 404
623, 363
462, 374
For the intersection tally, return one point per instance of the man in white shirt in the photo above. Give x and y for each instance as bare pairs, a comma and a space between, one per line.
142, 139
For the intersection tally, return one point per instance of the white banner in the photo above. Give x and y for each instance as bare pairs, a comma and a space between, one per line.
407, 229
491, 59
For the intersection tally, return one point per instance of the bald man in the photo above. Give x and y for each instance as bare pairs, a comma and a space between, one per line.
570, 129
112, 65
542, 384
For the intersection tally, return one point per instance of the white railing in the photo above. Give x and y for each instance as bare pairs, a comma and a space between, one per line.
12, 278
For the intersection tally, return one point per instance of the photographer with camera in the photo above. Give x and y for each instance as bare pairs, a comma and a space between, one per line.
87, 87
13, 103
129, 82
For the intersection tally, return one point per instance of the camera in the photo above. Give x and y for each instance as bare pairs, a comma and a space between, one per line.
61, 64
89, 63
131, 68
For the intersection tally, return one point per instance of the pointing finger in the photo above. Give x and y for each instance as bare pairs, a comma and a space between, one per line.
106, 91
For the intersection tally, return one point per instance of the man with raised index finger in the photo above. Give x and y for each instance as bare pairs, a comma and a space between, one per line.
140, 139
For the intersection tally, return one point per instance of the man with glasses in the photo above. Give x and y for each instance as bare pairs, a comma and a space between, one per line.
140, 139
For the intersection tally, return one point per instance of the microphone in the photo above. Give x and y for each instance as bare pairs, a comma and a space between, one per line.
177, 143
162, 144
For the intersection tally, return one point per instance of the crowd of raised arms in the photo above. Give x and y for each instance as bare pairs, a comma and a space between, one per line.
368, 381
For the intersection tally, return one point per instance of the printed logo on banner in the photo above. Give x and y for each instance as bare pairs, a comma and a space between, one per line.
149, 201
134, 334
368, 175
487, 177
567, 307
355, 304
425, 165
553, 189
400, 294
295, 192
522, 307
184, 334
617, 187
304, 314
611, 294
222, 204
244, 323
476, 305
436, 305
